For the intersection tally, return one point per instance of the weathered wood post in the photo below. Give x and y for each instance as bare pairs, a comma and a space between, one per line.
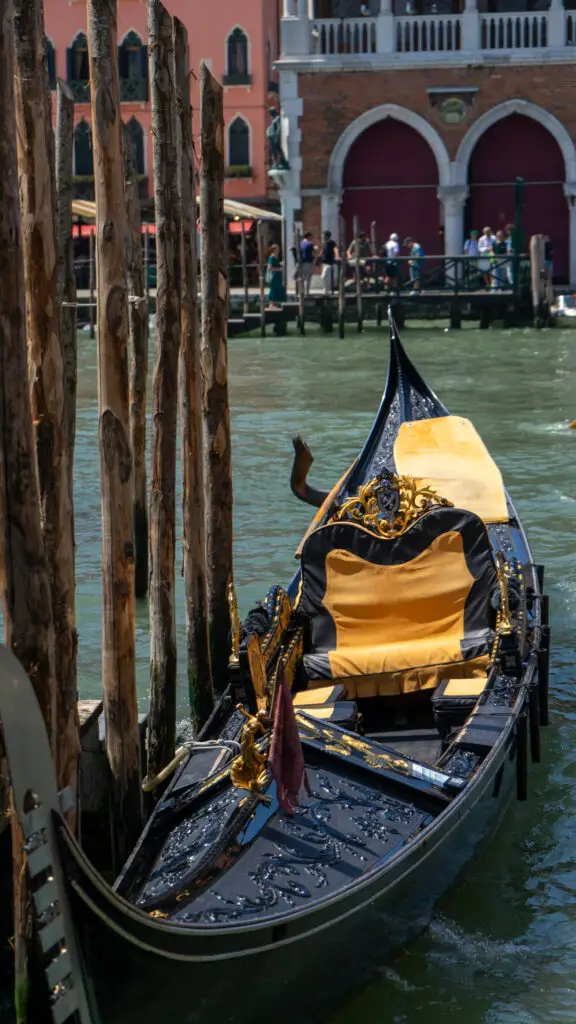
147, 266
47, 360
28, 627
245, 270
261, 278
92, 281
118, 665
300, 284
162, 717
342, 278
193, 502
66, 278
138, 333
214, 348
358, 275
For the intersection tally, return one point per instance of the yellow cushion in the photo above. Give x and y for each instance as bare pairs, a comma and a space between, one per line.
447, 454
319, 695
394, 617
336, 712
391, 684
465, 687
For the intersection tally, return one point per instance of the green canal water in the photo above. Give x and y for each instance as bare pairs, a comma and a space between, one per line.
502, 946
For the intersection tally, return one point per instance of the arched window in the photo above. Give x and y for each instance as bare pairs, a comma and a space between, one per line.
136, 133
51, 62
83, 156
239, 148
237, 63
133, 68
78, 71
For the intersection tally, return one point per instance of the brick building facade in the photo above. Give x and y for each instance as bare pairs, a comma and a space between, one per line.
430, 141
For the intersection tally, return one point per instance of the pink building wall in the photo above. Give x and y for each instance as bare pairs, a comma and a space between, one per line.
208, 31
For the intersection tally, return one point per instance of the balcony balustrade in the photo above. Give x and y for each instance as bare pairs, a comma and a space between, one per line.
417, 37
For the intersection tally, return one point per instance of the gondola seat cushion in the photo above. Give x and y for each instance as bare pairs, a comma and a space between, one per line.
391, 616
450, 456
454, 700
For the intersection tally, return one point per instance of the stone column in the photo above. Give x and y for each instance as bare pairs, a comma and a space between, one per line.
385, 28
556, 25
570, 193
471, 35
330, 212
453, 198
295, 29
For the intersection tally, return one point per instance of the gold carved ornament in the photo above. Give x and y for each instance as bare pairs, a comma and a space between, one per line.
248, 770
505, 620
410, 501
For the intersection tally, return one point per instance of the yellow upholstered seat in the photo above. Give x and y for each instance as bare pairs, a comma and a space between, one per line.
391, 616
466, 687
320, 695
449, 455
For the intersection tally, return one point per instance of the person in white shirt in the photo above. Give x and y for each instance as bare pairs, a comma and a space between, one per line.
485, 249
471, 264
392, 251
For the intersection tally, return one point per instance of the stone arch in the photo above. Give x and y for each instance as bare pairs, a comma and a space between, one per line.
370, 117
491, 117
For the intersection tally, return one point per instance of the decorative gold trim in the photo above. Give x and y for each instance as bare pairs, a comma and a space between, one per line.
234, 625
504, 624
411, 502
248, 770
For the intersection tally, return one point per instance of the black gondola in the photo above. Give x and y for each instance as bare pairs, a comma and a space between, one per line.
412, 638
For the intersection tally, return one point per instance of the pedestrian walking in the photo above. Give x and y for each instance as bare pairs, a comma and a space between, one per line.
330, 255
415, 264
276, 289
391, 252
308, 254
471, 251
498, 262
485, 246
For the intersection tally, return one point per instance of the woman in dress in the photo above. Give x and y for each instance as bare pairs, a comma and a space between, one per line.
276, 290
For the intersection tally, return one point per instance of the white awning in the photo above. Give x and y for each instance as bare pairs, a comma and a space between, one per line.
87, 209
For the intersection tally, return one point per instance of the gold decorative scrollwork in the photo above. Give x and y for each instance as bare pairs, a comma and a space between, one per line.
411, 501
248, 770
504, 624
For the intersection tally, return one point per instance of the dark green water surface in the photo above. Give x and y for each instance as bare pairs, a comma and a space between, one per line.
502, 946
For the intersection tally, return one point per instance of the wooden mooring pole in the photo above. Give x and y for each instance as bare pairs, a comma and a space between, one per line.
26, 596
342, 278
138, 333
162, 716
118, 664
92, 281
244, 257
261, 277
358, 276
47, 361
66, 277
193, 503
215, 402
300, 284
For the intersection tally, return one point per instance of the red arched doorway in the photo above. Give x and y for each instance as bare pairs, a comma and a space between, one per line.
391, 177
518, 146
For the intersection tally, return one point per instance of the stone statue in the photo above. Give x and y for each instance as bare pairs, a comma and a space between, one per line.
274, 135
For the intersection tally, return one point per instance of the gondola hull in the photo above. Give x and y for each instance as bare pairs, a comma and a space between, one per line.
232, 906
139, 970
